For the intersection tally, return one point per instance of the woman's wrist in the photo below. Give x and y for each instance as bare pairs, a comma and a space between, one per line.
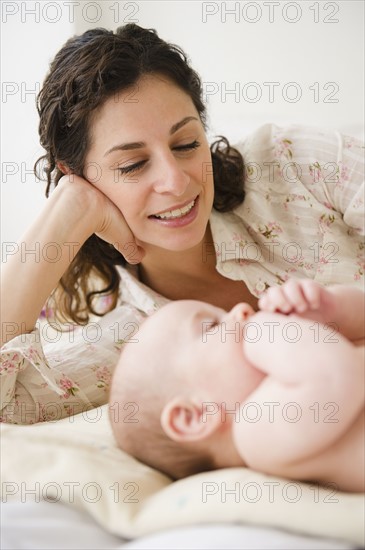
75, 200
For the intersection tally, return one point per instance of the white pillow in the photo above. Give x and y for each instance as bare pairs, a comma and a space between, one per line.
76, 461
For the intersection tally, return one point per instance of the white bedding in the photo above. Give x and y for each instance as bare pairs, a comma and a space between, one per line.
44, 459
45, 525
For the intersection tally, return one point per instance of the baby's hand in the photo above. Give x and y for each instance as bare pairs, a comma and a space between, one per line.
294, 296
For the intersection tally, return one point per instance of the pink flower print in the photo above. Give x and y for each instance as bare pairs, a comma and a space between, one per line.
46, 413
344, 173
323, 260
107, 300
103, 377
91, 347
242, 261
282, 148
32, 355
315, 171
281, 278
270, 230
46, 312
325, 221
69, 387
358, 203
11, 365
236, 238
70, 411
104, 302
349, 142
7, 367
360, 272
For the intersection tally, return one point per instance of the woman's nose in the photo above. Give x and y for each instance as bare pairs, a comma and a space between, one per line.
171, 178
241, 312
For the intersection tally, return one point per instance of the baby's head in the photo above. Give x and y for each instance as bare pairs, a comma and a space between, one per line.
172, 387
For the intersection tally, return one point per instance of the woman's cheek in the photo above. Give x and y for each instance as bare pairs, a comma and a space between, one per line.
93, 172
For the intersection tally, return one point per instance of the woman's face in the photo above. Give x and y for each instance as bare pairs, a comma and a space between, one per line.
149, 155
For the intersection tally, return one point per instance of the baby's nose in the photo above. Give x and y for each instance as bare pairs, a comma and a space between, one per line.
242, 311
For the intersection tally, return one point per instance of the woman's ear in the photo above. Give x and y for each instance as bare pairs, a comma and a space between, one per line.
63, 168
186, 420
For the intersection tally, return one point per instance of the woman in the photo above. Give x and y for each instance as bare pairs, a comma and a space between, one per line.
123, 125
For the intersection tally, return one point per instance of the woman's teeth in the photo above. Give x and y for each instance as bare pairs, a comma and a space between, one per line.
172, 214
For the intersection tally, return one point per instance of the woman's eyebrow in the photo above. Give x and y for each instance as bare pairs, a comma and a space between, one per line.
175, 127
139, 144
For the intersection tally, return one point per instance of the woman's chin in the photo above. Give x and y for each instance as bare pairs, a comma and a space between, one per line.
175, 244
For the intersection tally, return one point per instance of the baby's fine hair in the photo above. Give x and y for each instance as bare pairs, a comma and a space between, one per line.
140, 434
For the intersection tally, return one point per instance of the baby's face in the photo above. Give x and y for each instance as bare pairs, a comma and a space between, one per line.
205, 347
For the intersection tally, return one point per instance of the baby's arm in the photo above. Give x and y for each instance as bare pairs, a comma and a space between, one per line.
341, 305
313, 391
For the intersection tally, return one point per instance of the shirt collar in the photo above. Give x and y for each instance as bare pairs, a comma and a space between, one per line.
232, 240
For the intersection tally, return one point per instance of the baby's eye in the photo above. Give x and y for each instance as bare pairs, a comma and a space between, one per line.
209, 325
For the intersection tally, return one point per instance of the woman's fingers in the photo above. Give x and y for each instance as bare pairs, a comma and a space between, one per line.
106, 220
115, 230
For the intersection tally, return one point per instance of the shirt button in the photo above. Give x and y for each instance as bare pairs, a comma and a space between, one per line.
226, 267
260, 287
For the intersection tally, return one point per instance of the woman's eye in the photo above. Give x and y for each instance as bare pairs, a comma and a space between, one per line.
132, 167
189, 146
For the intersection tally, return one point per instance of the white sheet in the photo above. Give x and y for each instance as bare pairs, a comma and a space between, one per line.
46, 525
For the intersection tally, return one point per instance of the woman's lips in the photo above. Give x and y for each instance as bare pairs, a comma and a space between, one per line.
181, 220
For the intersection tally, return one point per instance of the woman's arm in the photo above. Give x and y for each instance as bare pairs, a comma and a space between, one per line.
45, 376
74, 211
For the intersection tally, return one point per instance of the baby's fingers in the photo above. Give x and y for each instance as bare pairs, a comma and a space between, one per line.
275, 299
312, 293
293, 296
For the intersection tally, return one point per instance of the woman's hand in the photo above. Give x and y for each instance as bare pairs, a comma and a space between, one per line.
106, 220
74, 211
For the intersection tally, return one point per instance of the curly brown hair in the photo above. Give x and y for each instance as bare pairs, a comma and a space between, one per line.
87, 71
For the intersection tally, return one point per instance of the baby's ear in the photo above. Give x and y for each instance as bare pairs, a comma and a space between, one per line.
187, 420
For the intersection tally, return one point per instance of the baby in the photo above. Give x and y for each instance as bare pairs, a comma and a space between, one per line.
280, 390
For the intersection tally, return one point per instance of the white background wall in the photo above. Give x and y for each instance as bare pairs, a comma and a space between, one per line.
313, 49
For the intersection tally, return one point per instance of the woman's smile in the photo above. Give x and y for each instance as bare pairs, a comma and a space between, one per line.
178, 216
162, 165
